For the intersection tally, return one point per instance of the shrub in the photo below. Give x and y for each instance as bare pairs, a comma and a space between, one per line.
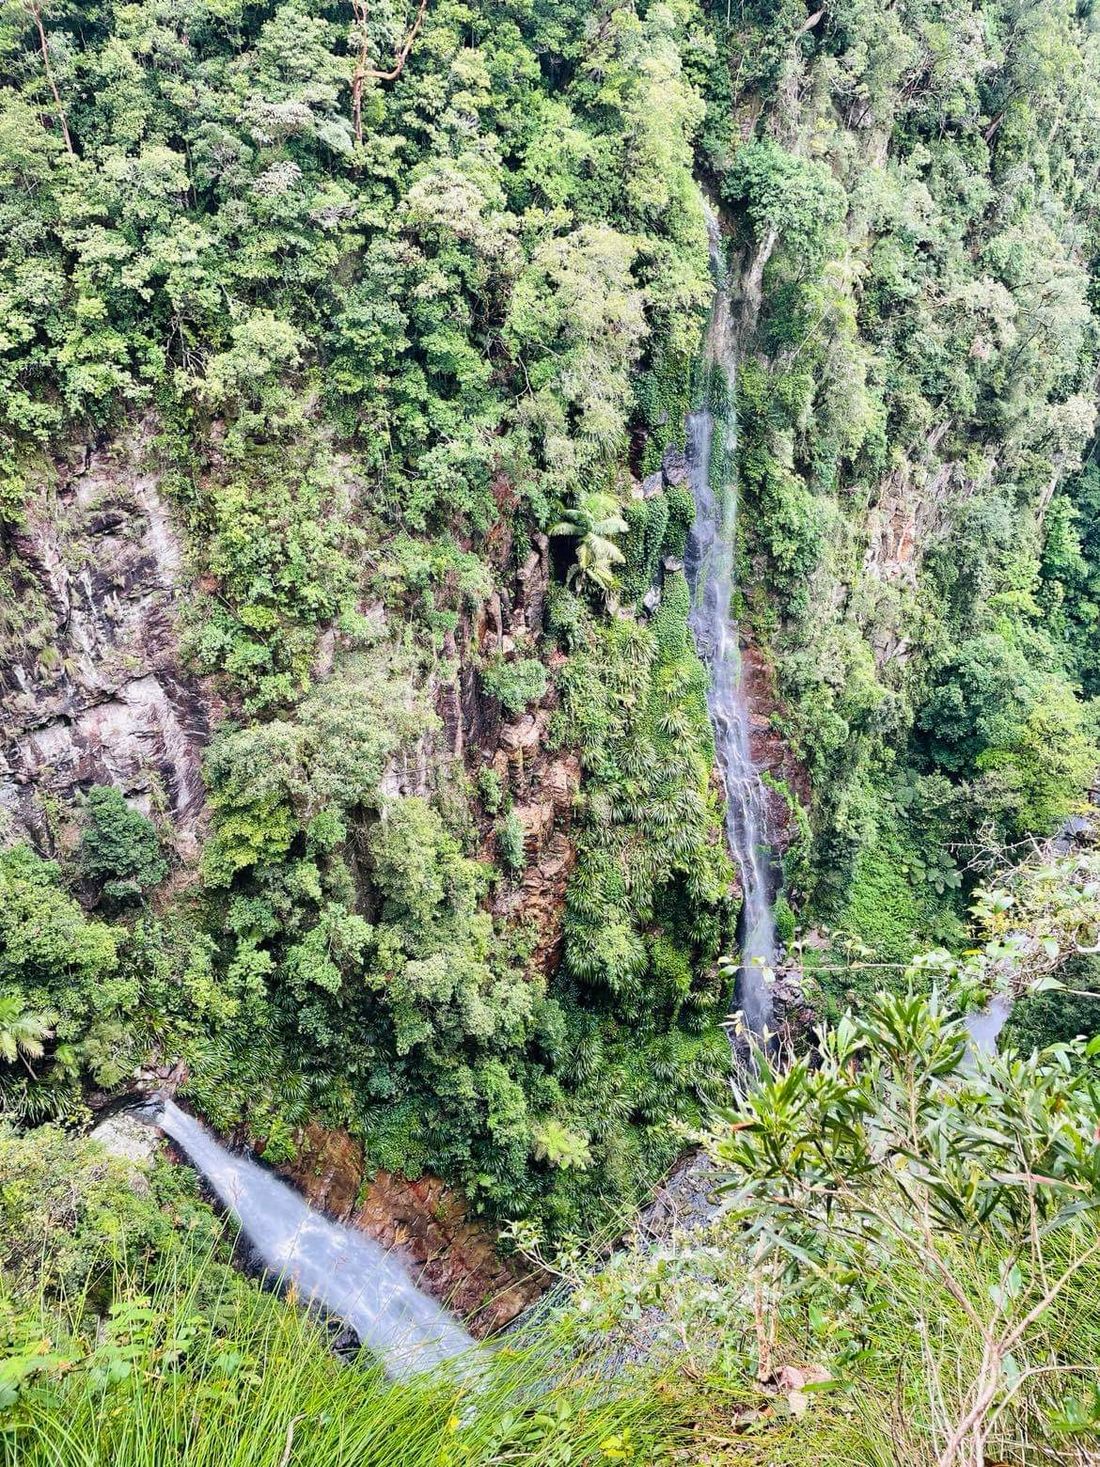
784, 921
489, 787
516, 683
510, 841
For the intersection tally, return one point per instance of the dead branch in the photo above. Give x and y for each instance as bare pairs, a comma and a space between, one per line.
363, 71
36, 12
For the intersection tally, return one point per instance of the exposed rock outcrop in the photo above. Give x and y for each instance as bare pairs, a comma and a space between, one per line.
124, 1136
912, 504
91, 686
425, 1223
771, 753
450, 1254
546, 789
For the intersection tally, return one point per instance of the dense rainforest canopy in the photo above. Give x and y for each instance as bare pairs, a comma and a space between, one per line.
364, 335
371, 334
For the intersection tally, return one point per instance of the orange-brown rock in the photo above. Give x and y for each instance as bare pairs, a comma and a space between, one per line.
523, 738
328, 1169
771, 752
542, 901
450, 1254
538, 902
424, 1222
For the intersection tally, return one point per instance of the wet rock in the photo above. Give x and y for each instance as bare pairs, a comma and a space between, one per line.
423, 1221
521, 740
537, 820
328, 1169
326, 654
674, 466
532, 582
561, 781
911, 507
450, 1253
124, 1136
671, 565
448, 701
494, 623
652, 485
538, 900
651, 600
771, 752
542, 900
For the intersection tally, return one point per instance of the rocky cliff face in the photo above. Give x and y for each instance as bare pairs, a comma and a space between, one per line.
92, 688
785, 778
912, 503
91, 682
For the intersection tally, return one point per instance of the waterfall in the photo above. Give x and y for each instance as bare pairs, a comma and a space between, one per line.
709, 562
329, 1265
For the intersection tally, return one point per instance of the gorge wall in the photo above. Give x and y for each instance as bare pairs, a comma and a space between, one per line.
368, 594
93, 687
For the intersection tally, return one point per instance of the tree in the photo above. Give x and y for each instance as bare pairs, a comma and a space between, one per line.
47, 945
982, 694
898, 1154
786, 197
594, 522
23, 1031
120, 848
1051, 760
966, 1186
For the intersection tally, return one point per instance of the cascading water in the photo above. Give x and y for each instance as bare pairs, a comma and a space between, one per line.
327, 1264
709, 562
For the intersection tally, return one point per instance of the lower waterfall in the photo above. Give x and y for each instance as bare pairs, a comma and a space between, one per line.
335, 1267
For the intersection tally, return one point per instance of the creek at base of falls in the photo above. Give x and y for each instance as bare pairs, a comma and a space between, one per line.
334, 1267
710, 559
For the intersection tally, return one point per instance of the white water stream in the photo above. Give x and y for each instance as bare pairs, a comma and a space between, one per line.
709, 562
336, 1267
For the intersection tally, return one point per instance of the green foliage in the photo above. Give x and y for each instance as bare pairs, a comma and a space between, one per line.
516, 683
784, 920
47, 944
65, 997
490, 789
1039, 1020
130, 1340
1049, 762
375, 338
980, 697
894, 1174
646, 523
119, 848
281, 552
786, 196
912, 407
595, 523
1070, 571
558, 1146
22, 1033
511, 842
273, 783
70, 1216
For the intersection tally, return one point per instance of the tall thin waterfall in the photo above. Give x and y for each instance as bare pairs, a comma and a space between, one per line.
709, 562
327, 1264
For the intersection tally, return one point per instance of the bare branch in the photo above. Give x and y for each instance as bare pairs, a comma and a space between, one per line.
363, 71
36, 12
